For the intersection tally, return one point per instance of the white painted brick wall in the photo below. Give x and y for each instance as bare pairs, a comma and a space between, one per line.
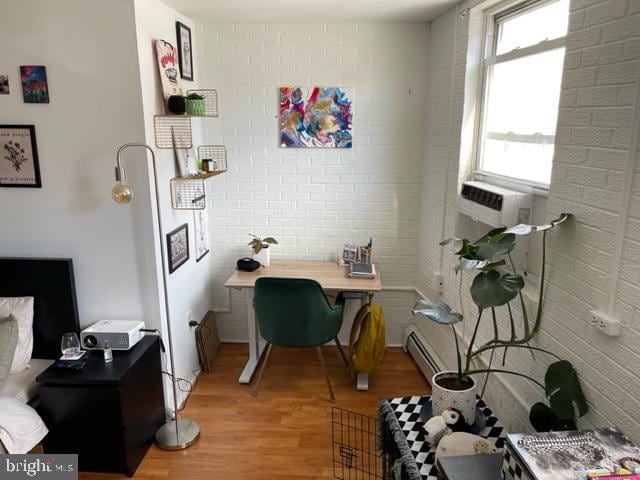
595, 142
315, 200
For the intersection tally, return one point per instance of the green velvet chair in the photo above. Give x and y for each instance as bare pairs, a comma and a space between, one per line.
295, 312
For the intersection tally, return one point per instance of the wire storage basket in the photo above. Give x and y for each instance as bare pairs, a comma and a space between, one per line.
188, 194
356, 452
172, 131
216, 154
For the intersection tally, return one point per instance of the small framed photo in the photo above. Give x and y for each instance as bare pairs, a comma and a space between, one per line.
19, 165
185, 56
4, 84
34, 84
349, 254
178, 247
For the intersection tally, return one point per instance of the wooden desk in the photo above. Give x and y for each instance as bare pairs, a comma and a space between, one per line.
329, 275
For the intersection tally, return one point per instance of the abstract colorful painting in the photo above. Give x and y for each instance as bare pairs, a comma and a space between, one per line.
315, 117
34, 84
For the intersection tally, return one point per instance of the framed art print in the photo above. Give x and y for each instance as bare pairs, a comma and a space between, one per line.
201, 234
34, 84
183, 34
178, 247
4, 84
19, 165
168, 69
316, 117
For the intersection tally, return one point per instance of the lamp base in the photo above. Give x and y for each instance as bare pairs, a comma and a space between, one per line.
187, 433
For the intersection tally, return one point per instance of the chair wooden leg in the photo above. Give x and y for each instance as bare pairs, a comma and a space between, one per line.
326, 374
344, 357
254, 391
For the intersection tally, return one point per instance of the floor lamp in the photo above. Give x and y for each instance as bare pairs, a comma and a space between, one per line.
178, 433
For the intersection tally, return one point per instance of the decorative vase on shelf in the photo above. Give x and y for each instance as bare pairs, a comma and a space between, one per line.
263, 256
449, 391
195, 106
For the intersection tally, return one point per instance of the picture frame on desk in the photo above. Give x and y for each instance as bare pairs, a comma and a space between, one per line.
349, 254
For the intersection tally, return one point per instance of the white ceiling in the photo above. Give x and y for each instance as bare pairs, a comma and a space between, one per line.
309, 11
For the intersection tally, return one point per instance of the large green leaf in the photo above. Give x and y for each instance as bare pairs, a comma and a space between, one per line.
467, 250
491, 289
484, 265
564, 391
436, 311
494, 244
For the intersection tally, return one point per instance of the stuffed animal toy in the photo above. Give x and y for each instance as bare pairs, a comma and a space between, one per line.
441, 425
457, 422
462, 443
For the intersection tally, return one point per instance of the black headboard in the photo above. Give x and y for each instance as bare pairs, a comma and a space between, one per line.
52, 284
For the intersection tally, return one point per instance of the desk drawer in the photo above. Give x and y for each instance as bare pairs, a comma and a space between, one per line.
94, 407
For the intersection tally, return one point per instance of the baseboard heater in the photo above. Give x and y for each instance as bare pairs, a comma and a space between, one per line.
416, 346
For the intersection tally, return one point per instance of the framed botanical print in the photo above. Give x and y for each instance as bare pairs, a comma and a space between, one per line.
19, 165
178, 247
200, 222
185, 56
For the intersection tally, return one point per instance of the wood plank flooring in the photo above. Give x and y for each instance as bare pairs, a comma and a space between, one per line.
285, 432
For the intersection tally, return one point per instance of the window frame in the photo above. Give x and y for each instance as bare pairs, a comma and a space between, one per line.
493, 16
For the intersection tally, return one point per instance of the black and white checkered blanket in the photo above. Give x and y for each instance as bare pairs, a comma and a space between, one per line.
405, 412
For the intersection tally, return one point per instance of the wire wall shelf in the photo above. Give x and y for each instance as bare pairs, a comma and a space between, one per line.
172, 131
188, 193
218, 156
356, 455
210, 101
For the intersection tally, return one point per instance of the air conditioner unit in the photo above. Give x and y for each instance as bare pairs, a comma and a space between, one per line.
495, 206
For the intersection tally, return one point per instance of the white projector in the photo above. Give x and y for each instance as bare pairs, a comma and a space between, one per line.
121, 334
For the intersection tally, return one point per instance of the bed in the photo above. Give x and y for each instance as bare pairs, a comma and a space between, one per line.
51, 283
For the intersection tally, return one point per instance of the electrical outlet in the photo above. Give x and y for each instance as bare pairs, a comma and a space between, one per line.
439, 278
605, 324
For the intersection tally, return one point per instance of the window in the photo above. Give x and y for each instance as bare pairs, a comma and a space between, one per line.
522, 76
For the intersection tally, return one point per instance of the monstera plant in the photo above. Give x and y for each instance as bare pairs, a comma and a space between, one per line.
496, 285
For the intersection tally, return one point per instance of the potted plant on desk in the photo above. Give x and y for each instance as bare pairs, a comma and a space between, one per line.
260, 248
491, 289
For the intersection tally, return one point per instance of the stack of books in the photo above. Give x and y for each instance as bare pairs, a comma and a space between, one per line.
362, 270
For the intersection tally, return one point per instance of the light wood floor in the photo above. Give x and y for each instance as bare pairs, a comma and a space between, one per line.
285, 432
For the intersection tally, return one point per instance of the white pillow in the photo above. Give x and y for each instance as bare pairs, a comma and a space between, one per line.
22, 309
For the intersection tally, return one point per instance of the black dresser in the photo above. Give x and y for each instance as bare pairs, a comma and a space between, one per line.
107, 413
